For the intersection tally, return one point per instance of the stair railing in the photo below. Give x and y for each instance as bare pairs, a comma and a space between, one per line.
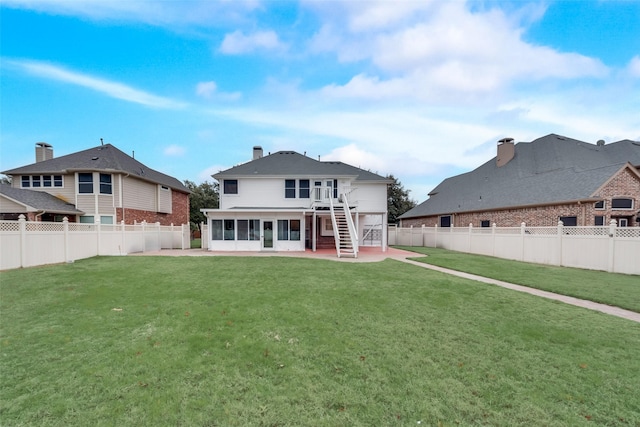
336, 232
353, 233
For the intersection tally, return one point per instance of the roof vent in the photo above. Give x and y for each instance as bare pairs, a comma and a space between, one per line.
257, 152
600, 142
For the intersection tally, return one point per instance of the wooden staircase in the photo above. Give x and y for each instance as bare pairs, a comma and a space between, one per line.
342, 233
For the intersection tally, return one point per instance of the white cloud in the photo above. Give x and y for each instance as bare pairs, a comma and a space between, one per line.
441, 50
174, 151
209, 90
162, 13
238, 43
206, 89
110, 88
634, 67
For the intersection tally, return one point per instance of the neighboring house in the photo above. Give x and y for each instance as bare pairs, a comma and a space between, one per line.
34, 205
539, 183
99, 184
286, 201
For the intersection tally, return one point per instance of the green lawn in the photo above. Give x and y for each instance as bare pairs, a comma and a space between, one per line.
620, 290
266, 341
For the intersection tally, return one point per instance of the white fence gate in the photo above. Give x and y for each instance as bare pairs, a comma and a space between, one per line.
608, 248
27, 244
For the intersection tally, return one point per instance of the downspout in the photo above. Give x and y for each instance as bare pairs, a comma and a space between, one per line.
35, 218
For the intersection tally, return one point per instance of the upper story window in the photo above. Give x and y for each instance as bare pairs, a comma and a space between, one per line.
105, 183
37, 181
85, 183
599, 205
304, 189
290, 188
622, 203
230, 186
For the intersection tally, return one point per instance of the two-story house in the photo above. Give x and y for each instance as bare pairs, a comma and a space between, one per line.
551, 179
99, 184
287, 201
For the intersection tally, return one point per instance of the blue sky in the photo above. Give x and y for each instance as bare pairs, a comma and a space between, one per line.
418, 89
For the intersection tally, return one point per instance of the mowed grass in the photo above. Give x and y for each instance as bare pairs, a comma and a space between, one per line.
266, 341
620, 290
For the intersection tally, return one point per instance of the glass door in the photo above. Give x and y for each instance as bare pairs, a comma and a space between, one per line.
267, 234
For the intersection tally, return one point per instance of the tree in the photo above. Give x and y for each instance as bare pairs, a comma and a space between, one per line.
205, 195
398, 201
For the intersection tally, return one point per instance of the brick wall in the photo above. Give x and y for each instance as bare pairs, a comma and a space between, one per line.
623, 184
180, 214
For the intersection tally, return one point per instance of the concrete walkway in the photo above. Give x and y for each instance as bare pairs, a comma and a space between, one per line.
376, 255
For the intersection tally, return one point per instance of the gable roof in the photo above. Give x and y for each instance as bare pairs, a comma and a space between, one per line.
38, 200
549, 170
290, 163
105, 158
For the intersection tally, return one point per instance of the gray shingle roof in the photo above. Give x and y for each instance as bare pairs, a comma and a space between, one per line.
39, 200
290, 163
101, 158
548, 170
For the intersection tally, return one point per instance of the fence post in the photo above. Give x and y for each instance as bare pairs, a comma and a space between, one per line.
522, 234
144, 239
424, 245
612, 245
470, 232
560, 227
202, 235
123, 240
159, 234
493, 239
23, 240
98, 234
65, 228
435, 236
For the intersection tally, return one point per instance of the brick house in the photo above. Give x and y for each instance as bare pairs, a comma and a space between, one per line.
539, 183
99, 184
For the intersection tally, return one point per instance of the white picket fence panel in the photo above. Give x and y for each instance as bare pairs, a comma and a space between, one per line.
28, 244
607, 248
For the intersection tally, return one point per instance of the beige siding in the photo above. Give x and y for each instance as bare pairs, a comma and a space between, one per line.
9, 206
139, 194
105, 204
164, 200
86, 203
117, 180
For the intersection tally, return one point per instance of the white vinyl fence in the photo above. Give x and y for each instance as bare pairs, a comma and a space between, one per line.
27, 244
608, 248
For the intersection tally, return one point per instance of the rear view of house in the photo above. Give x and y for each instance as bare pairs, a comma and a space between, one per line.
99, 184
287, 201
